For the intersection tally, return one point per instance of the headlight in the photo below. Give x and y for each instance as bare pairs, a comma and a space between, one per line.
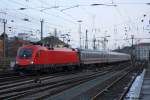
16, 62
31, 62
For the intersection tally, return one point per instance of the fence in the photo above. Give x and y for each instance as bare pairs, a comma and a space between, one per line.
6, 63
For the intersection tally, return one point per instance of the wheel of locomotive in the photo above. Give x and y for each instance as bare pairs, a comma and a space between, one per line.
79, 67
65, 68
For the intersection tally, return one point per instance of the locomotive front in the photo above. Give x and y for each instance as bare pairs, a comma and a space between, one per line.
25, 58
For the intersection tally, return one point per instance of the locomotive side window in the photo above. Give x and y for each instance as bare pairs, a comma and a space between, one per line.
25, 53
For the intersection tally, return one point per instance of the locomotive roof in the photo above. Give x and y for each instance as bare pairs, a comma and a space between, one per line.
46, 48
32, 46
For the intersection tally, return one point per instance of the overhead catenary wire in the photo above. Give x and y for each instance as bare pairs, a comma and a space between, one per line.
51, 24
67, 20
71, 18
108, 3
56, 8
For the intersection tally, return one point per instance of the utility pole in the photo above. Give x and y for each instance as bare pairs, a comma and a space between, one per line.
105, 40
98, 44
94, 42
42, 28
79, 21
86, 40
55, 32
4, 38
132, 48
149, 58
132, 37
63, 38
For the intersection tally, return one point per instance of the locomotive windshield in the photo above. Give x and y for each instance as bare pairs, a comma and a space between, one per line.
25, 53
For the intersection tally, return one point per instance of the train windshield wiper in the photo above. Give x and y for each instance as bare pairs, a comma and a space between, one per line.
25, 53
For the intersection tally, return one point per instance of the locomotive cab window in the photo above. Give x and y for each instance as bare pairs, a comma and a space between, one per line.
25, 53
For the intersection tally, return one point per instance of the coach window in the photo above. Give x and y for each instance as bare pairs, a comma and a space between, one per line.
87, 55
83, 55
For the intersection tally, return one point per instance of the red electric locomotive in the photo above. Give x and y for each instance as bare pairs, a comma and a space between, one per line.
39, 58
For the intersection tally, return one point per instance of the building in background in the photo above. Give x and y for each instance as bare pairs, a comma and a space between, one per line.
24, 36
54, 42
11, 46
142, 51
28, 37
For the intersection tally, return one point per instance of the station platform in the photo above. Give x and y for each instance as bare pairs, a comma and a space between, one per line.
145, 91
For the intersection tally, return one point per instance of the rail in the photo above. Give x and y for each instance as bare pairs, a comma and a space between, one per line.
129, 85
31, 89
107, 90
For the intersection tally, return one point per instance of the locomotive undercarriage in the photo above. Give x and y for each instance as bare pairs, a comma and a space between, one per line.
33, 68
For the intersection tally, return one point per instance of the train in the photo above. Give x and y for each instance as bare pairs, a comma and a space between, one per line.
37, 58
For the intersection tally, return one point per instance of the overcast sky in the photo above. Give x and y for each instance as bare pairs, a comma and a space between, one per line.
112, 18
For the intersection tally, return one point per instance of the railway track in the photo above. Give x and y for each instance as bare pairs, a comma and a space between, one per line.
17, 78
118, 88
16, 91
8, 77
85, 91
7, 73
63, 85
51, 85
